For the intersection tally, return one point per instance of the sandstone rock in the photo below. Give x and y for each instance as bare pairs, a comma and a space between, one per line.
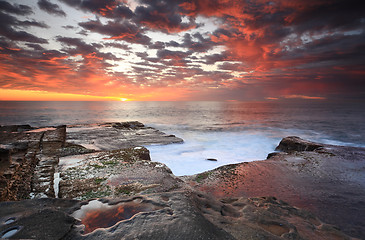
16, 170
114, 173
70, 149
30, 156
160, 216
113, 136
264, 218
327, 182
152, 203
169, 215
297, 144
273, 154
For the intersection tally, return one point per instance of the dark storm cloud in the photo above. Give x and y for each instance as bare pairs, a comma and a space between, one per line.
339, 14
167, 54
117, 45
162, 15
267, 36
217, 57
158, 15
106, 8
165, 58
82, 32
79, 44
32, 56
120, 11
85, 49
51, 8
33, 23
233, 66
201, 44
172, 44
124, 30
347, 49
142, 55
7, 29
15, 8
36, 47
157, 45
156, 66
69, 27
11, 21
175, 58
5, 44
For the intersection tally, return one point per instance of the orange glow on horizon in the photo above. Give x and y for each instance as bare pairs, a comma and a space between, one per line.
148, 94
159, 94
30, 95
304, 97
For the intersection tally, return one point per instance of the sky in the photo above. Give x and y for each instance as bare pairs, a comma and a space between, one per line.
180, 50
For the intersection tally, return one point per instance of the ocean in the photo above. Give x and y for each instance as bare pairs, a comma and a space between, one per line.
230, 132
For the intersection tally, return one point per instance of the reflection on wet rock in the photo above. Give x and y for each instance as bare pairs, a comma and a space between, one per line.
9, 232
97, 215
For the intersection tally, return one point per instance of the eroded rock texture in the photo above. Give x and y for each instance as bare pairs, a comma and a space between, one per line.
29, 157
329, 181
108, 188
114, 173
169, 215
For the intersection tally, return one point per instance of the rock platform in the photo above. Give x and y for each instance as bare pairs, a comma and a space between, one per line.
327, 180
97, 181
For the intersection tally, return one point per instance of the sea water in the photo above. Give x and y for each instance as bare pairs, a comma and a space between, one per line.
229, 132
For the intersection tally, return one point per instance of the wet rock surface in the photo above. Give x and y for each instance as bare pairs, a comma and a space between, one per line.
328, 181
265, 218
171, 215
108, 188
45, 218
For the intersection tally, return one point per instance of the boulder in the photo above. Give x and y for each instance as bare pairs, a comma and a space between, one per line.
293, 143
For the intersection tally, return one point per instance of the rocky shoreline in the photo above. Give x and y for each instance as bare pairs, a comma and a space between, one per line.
97, 181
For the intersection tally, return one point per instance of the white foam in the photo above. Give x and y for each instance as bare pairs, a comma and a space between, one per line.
227, 147
56, 184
